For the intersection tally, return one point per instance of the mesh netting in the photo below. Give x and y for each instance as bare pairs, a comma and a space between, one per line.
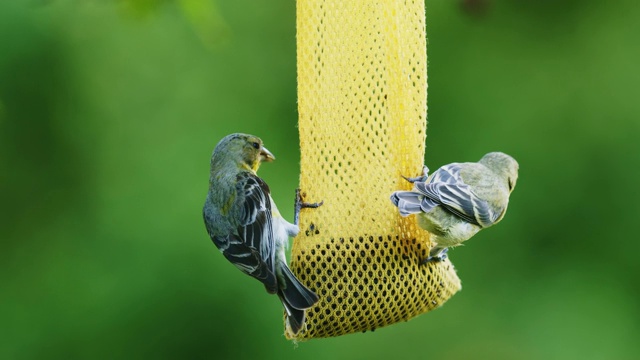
362, 107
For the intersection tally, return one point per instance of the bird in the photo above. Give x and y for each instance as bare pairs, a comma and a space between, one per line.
244, 223
459, 199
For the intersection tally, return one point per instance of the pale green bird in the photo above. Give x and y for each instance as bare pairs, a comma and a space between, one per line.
459, 199
245, 224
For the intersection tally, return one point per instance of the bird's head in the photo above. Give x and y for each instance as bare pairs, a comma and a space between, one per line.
503, 165
246, 151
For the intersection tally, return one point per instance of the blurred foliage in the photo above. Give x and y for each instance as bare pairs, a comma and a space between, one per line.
109, 112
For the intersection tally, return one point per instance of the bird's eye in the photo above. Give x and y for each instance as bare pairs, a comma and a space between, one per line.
510, 184
256, 145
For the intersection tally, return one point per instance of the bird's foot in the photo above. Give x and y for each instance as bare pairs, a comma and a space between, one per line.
299, 205
415, 179
440, 256
423, 178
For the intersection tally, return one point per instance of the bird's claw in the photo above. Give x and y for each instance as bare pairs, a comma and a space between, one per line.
441, 256
415, 179
299, 205
423, 178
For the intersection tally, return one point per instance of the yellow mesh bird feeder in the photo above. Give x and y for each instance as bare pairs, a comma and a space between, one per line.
362, 89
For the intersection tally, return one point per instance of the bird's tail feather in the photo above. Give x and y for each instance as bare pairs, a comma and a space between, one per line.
295, 298
297, 295
411, 202
295, 317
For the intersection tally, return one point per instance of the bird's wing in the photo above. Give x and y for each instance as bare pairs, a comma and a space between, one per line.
252, 249
247, 259
447, 188
449, 174
255, 221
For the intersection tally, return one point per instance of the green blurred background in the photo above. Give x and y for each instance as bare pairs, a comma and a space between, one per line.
109, 111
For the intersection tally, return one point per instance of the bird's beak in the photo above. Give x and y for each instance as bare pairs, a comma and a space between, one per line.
266, 155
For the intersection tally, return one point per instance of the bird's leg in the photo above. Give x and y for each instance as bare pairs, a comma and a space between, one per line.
437, 257
423, 178
299, 204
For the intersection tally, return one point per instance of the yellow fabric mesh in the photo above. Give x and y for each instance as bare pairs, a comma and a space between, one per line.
362, 106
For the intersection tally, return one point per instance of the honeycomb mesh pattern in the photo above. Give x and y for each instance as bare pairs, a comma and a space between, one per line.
362, 121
